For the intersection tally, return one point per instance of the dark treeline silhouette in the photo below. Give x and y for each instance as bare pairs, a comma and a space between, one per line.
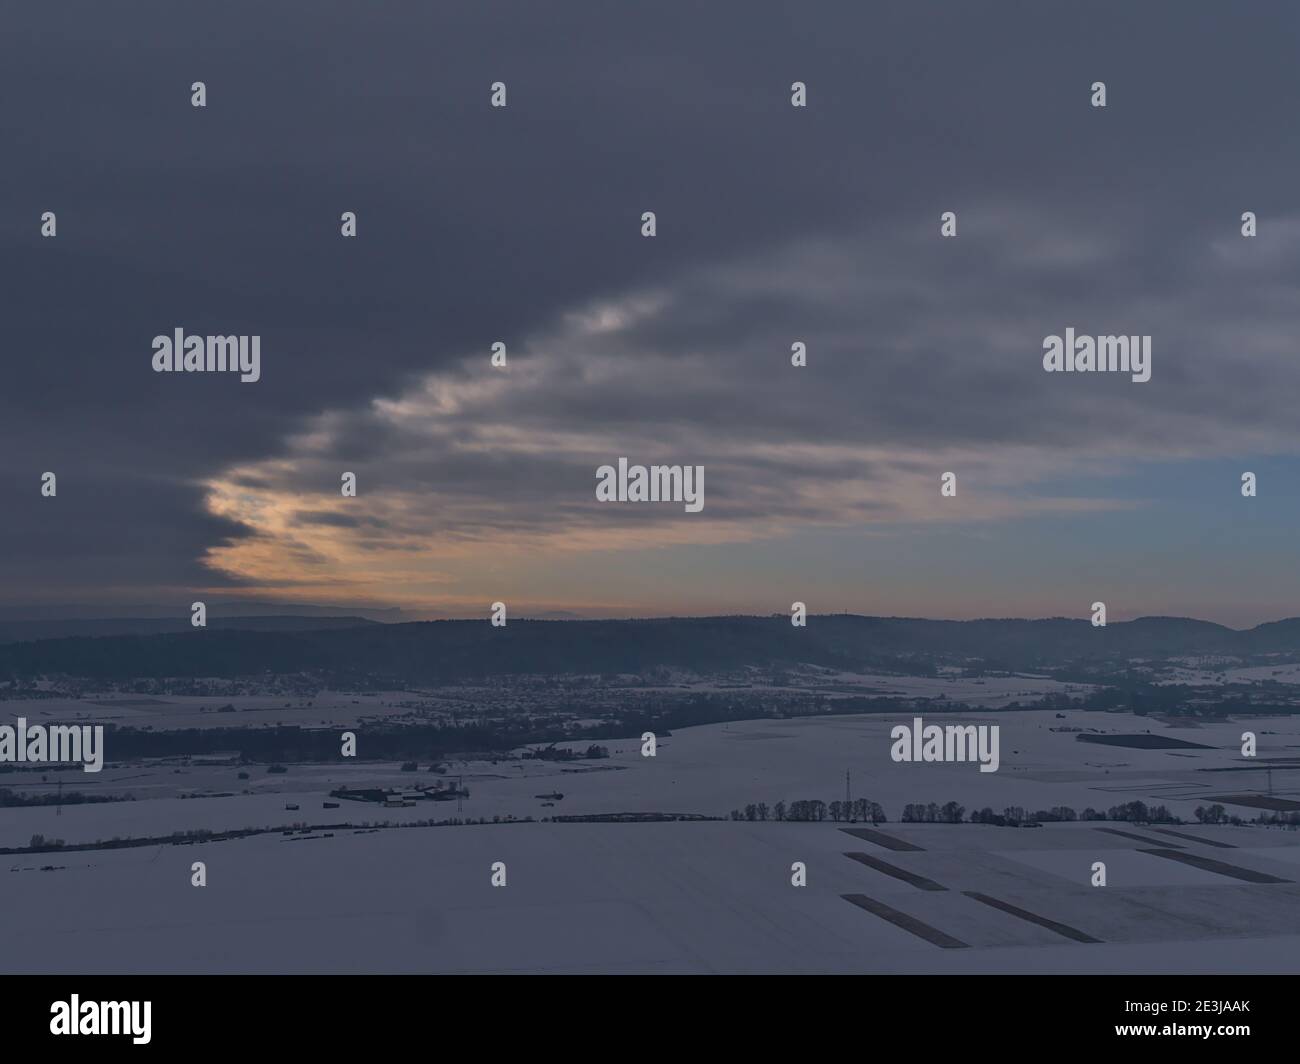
288, 744
1216, 814
860, 809
563, 753
446, 651
1133, 812
9, 798
27, 631
1286, 820
954, 813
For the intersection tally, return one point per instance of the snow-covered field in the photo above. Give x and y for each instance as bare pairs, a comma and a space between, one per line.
708, 770
693, 897
672, 896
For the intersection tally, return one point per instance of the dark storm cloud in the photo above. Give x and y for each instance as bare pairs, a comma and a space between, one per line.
112, 534
478, 225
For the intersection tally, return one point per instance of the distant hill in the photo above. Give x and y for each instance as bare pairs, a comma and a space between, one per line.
26, 631
446, 651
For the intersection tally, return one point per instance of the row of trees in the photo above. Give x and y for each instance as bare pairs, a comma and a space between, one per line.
860, 809
948, 813
1216, 814
1131, 812
10, 798
954, 813
556, 753
1285, 820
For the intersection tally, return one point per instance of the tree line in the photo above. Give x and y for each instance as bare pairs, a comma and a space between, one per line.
813, 810
865, 811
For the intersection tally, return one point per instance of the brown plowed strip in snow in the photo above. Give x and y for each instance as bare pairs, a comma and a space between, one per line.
1042, 921
880, 839
1139, 838
907, 923
896, 872
1196, 838
1209, 864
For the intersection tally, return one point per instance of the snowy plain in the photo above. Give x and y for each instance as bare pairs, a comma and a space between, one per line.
676, 896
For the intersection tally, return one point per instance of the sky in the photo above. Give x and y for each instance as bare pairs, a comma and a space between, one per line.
775, 224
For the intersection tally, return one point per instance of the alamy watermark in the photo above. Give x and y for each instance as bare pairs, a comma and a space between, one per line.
54, 744
952, 742
179, 353
1098, 354
656, 483
102, 1017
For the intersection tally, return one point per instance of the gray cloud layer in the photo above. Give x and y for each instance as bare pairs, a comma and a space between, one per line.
521, 225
